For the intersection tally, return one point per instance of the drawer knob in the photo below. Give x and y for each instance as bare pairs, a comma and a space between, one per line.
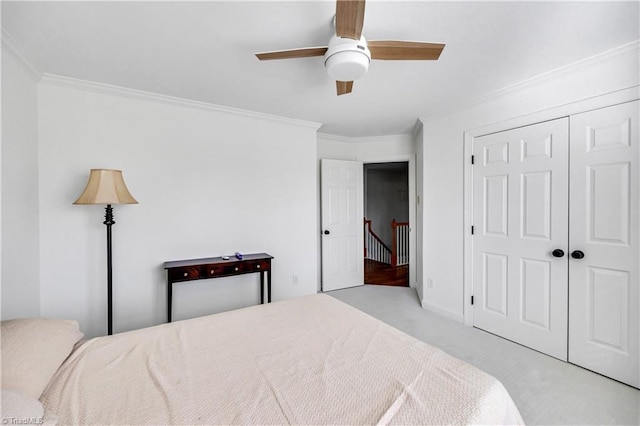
236, 268
186, 274
213, 272
258, 266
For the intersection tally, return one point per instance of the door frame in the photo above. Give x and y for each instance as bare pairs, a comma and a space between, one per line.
584, 105
411, 160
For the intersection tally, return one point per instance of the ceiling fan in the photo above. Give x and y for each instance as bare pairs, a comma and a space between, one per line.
348, 55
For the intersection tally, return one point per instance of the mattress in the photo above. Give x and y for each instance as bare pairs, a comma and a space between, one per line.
311, 360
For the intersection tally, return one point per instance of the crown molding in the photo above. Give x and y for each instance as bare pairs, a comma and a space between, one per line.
125, 92
590, 61
365, 139
11, 47
417, 128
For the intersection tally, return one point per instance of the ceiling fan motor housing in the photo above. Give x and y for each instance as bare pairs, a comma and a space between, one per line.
347, 59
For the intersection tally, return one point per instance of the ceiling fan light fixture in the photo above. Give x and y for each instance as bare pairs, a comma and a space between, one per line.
347, 59
348, 55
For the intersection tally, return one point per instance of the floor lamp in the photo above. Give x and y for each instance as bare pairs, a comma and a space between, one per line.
107, 187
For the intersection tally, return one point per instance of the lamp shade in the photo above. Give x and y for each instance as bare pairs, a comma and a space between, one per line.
105, 187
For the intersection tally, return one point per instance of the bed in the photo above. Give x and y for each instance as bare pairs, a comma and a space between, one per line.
311, 360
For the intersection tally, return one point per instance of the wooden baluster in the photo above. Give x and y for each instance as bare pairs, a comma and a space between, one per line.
394, 244
365, 236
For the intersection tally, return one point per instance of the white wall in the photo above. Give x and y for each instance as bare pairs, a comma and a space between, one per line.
442, 155
343, 148
209, 183
20, 275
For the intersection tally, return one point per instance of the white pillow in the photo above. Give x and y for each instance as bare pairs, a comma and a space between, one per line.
16, 405
18, 408
32, 351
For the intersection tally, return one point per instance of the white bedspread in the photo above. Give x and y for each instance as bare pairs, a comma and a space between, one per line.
312, 360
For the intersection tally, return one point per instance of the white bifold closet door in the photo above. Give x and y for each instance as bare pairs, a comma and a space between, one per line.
604, 216
556, 251
520, 197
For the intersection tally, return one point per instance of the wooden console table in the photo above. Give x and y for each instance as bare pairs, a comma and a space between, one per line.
214, 267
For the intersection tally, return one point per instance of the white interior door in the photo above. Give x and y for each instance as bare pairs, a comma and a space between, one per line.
341, 192
520, 202
604, 331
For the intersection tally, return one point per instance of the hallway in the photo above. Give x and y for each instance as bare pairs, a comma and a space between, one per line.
378, 273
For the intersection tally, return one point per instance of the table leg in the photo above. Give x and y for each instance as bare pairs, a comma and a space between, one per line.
269, 286
169, 295
261, 288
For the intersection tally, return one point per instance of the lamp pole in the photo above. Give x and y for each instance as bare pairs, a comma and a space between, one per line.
108, 220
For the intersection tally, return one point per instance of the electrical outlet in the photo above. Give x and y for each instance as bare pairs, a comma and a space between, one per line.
294, 280
429, 282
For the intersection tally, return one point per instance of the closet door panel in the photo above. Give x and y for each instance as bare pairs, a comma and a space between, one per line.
520, 203
604, 325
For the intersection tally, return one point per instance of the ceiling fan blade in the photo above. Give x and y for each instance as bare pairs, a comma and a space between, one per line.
404, 50
305, 52
344, 87
349, 18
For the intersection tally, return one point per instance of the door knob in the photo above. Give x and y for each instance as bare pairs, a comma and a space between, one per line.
577, 254
558, 253
326, 232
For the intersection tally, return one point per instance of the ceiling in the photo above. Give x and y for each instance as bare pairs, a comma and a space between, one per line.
204, 51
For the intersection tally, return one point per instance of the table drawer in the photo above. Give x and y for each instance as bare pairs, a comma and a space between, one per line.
212, 271
184, 273
257, 265
233, 268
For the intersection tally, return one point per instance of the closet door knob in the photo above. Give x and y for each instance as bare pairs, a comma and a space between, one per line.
326, 232
577, 254
558, 253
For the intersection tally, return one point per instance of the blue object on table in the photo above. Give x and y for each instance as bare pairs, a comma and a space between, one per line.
239, 255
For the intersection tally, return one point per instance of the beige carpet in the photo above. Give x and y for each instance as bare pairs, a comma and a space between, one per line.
547, 391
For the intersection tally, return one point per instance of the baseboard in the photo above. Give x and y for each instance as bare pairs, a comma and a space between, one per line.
443, 311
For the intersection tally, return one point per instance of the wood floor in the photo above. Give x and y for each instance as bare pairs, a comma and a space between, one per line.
378, 273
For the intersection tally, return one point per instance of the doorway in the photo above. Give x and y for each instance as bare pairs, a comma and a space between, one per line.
341, 220
386, 223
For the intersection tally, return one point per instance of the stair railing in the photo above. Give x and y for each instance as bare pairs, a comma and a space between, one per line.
374, 247
399, 243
